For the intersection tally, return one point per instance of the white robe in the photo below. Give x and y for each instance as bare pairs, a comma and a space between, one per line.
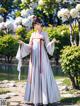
41, 86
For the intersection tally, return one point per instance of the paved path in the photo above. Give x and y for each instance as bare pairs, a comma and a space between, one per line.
16, 95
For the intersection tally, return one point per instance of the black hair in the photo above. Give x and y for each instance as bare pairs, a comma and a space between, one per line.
36, 20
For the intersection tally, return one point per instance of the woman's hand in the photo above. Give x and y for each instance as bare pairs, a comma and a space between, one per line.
20, 42
55, 41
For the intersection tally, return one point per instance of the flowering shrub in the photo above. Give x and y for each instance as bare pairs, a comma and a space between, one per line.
74, 12
78, 7
71, 16
41, 2
64, 14
24, 19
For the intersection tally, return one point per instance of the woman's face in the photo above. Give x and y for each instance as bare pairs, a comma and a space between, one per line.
38, 27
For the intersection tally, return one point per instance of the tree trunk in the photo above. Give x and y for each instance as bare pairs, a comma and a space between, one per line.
5, 17
9, 59
79, 33
77, 82
72, 80
71, 40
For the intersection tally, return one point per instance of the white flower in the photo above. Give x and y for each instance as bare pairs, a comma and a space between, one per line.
19, 26
68, 1
30, 11
1, 19
25, 22
23, 13
26, 13
74, 13
60, 13
58, 1
9, 25
64, 19
34, 5
31, 17
30, 24
41, 2
31, 0
64, 14
18, 20
2, 26
16, 27
78, 7
23, 1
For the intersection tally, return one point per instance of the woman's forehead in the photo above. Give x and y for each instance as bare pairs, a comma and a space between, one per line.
38, 23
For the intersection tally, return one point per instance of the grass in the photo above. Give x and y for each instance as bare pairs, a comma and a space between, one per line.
66, 81
71, 100
10, 77
59, 77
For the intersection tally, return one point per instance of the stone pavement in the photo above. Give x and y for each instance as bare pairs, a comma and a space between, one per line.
16, 95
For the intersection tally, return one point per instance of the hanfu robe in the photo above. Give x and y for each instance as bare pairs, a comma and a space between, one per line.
41, 87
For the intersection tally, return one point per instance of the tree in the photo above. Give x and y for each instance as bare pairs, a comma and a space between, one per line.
70, 63
7, 7
8, 47
71, 16
49, 9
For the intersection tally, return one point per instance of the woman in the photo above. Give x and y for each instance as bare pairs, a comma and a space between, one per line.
41, 87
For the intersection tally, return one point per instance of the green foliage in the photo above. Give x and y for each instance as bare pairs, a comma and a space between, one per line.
61, 33
28, 35
21, 32
8, 47
71, 100
2, 33
7, 7
70, 63
2, 10
67, 82
17, 14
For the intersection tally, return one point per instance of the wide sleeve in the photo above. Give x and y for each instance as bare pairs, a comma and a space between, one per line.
50, 45
23, 51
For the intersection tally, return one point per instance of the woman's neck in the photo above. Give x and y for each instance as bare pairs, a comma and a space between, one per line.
39, 31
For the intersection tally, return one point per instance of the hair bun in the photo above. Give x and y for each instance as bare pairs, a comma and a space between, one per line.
36, 20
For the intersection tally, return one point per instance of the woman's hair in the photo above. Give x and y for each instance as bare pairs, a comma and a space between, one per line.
36, 20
